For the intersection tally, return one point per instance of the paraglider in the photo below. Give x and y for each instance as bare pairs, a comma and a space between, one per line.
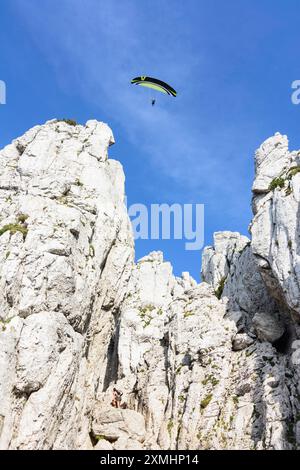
155, 84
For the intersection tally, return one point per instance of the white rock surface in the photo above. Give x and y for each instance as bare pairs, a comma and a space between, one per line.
275, 226
214, 365
241, 341
61, 284
268, 326
114, 424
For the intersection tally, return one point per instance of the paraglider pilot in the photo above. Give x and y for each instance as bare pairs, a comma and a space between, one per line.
154, 84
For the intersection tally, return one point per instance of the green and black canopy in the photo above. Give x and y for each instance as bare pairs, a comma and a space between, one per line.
155, 84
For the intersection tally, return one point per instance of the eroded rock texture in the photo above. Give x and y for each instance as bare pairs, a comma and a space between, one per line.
66, 254
213, 365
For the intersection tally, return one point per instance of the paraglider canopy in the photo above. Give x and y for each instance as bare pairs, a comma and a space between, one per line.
155, 84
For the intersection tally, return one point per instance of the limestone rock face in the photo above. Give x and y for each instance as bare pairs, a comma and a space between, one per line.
231, 268
268, 326
214, 365
241, 341
62, 278
275, 226
113, 424
271, 159
199, 382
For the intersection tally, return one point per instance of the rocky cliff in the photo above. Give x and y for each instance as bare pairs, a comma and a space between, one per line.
213, 365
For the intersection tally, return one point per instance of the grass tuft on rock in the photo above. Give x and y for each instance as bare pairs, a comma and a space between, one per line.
170, 426
71, 122
293, 171
22, 218
14, 228
220, 288
276, 183
206, 401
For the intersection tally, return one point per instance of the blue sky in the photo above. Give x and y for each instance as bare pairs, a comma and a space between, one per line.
231, 62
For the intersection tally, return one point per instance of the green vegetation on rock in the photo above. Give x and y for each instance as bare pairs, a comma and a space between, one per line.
206, 401
14, 228
220, 288
22, 218
277, 182
170, 426
71, 122
293, 171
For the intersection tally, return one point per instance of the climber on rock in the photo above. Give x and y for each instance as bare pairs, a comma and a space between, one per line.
117, 398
